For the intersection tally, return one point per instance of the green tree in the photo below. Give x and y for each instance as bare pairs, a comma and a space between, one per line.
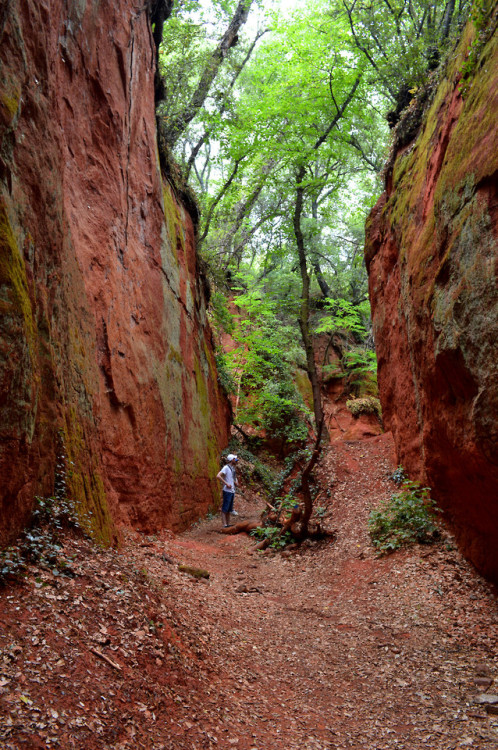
262, 363
190, 65
402, 41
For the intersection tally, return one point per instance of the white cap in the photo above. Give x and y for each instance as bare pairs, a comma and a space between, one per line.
232, 457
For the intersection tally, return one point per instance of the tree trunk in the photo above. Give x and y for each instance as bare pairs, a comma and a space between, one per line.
305, 482
229, 39
448, 15
324, 287
305, 303
217, 200
195, 149
160, 11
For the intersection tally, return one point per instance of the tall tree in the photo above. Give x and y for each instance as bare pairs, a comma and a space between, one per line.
177, 125
277, 146
402, 41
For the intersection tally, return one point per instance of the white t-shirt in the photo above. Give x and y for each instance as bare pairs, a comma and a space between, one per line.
227, 474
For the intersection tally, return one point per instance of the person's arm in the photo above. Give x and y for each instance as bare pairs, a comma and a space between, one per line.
221, 476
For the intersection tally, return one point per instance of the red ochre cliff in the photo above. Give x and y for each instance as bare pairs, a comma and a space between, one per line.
106, 360
431, 252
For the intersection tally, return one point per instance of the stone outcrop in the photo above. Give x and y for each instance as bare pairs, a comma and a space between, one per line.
431, 252
106, 359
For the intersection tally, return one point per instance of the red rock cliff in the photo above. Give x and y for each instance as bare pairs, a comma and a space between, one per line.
431, 252
105, 349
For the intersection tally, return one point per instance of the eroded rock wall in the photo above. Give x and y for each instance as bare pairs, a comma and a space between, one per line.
431, 252
105, 349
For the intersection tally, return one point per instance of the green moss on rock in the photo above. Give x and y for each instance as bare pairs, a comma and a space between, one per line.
14, 279
10, 99
85, 484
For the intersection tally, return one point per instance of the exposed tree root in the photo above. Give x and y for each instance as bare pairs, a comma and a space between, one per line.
242, 527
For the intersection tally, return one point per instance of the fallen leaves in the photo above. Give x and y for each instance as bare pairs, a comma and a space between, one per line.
324, 648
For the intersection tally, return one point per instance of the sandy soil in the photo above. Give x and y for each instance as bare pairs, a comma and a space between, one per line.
323, 647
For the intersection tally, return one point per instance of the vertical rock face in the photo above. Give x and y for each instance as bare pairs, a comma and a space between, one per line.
432, 257
106, 360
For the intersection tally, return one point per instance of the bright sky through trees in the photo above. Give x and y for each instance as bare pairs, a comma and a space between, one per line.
278, 122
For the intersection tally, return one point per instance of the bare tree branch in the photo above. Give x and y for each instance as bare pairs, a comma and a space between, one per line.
338, 115
374, 164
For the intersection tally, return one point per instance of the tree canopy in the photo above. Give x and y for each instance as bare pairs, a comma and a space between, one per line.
278, 120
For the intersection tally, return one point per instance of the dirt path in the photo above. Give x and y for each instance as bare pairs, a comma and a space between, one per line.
326, 647
334, 648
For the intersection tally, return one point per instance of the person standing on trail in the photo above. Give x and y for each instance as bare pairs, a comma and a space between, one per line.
227, 477
235, 483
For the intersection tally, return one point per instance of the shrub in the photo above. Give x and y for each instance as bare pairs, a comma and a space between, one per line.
366, 405
260, 470
398, 476
332, 372
407, 518
41, 543
225, 377
277, 539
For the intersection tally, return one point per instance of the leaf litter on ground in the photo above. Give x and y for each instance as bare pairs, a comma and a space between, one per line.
325, 646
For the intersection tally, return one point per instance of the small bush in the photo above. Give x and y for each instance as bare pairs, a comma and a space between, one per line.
277, 540
407, 518
332, 372
224, 375
366, 405
398, 476
41, 544
276, 490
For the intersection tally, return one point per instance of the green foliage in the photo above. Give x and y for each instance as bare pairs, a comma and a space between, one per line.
358, 362
344, 317
360, 365
260, 124
189, 38
289, 500
259, 369
59, 512
276, 408
332, 372
403, 41
407, 518
224, 375
398, 476
484, 25
41, 542
277, 539
263, 120
223, 318
481, 13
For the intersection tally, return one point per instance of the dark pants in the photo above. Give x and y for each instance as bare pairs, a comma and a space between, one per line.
227, 505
